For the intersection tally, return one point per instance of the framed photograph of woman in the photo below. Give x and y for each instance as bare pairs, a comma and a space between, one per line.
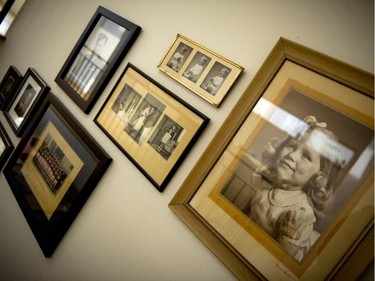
53, 171
8, 86
25, 102
285, 189
6, 146
95, 57
153, 127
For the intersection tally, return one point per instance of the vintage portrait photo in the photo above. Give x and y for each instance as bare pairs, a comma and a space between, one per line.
23, 103
179, 57
50, 168
196, 67
6, 90
52, 164
144, 119
215, 78
166, 137
294, 178
92, 60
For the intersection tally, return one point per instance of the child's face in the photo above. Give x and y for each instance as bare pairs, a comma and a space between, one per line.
297, 163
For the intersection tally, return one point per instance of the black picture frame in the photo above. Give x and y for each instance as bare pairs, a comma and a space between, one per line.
8, 86
6, 146
25, 102
85, 74
50, 201
137, 115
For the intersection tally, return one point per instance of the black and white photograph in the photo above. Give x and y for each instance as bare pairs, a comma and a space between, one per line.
215, 78
92, 60
179, 57
52, 164
126, 104
144, 119
166, 137
293, 180
196, 67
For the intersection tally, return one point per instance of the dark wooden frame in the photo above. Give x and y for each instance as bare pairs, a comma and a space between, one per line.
32, 192
123, 46
8, 86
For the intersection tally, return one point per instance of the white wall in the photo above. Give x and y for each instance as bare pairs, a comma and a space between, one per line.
126, 231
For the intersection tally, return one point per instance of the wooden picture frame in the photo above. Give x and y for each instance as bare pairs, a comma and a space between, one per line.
25, 102
153, 127
6, 146
201, 70
8, 86
95, 57
217, 200
53, 171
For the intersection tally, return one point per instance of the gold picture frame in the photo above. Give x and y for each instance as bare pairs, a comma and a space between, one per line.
201, 70
293, 81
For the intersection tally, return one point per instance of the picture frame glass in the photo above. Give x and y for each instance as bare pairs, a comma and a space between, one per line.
93, 58
149, 125
230, 197
206, 73
24, 101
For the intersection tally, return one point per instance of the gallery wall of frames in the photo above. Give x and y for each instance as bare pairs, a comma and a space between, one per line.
187, 142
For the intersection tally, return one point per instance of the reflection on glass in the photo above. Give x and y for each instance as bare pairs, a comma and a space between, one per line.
10, 16
297, 174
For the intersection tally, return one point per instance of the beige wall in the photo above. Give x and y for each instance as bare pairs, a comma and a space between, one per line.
126, 231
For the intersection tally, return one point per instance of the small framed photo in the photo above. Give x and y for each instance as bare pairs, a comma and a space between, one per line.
285, 189
6, 146
53, 171
95, 57
204, 72
28, 97
9, 86
153, 127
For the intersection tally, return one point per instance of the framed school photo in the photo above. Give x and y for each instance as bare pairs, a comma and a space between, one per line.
150, 125
9, 86
201, 70
53, 171
25, 102
6, 146
96, 56
285, 189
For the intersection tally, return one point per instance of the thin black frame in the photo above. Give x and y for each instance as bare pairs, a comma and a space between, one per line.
6, 95
124, 45
49, 230
8, 146
155, 89
32, 106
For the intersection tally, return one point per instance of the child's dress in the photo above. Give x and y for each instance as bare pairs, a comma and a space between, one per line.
268, 203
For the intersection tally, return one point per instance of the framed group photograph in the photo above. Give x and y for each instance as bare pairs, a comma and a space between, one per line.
8, 86
285, 190
25, 102
95, 57
201, 70
6, 146
153, 127
53, 171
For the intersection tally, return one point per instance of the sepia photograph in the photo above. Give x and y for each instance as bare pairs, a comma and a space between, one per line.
179, 57
293, 179
153, 127
215, 78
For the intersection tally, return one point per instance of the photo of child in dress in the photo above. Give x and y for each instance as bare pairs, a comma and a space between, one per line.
179, 57
296, 186
126, 104
166, 137
215, 78
196, 67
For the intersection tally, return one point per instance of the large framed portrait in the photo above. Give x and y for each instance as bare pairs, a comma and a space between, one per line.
285, 189
206, 73
9, 86
25, 102
6, 146
53, 171
96, 56
153, 127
